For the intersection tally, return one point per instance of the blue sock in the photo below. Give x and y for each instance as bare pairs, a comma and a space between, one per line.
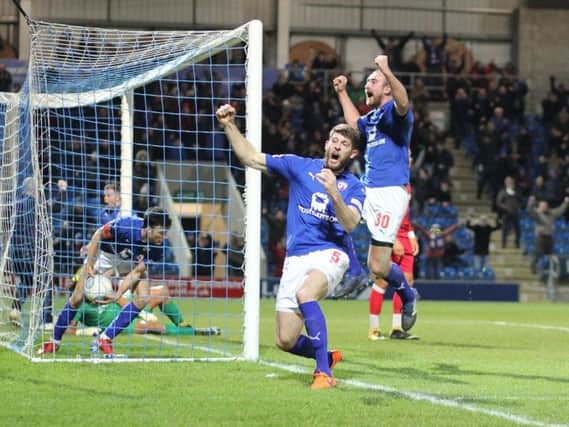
397, 280
63, 321
127, 314
316, 332
303, 347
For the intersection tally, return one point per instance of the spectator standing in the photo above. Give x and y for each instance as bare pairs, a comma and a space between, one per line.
393, 48
509, 203
544, 218
205, 254
235, 256
112, 200
482, 232
435, 238
22, 253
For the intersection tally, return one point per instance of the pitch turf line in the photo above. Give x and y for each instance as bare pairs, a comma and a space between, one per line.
389, 390
501, 323
420, 396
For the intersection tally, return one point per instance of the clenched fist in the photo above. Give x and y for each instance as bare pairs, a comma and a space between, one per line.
340, 83
225, 114
382, 62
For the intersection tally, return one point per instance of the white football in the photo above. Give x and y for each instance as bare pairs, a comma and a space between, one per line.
97, 287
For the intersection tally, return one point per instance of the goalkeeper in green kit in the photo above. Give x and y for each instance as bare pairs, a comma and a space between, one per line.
95, 316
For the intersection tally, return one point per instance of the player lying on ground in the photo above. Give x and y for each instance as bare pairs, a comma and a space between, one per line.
325, 204
96, 315
122, 248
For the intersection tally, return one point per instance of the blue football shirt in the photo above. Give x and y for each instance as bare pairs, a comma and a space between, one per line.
311, 218
122, 237
107, 214
388, 136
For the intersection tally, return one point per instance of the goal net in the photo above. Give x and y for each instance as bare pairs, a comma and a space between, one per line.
109, 124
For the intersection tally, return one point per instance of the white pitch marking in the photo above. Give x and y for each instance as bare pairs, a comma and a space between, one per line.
421, 396
508, 324
390, 390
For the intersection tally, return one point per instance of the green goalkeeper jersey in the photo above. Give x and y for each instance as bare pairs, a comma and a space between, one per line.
97, 315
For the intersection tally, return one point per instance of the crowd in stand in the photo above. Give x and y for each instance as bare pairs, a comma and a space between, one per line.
514, 155
519, 158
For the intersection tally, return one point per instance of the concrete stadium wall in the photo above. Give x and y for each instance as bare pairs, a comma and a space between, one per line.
542, 49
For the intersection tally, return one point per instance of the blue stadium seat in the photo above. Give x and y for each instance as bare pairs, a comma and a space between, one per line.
527, 224
467, 258
463, 234
448, 273
422, 271
561, 225
423, 220
487, 274
528, 236
529, 247
561, 248
467, 273
433, 210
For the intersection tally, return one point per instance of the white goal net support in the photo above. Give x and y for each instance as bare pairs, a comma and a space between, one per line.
106, 112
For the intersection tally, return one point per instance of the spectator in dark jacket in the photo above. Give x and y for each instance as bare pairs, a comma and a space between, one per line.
509, 203
482, 231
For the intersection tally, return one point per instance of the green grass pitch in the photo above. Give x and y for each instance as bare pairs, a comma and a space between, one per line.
477, 364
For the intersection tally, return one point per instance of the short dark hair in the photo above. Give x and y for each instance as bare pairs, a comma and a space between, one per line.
112, 185
156, 217
353, 135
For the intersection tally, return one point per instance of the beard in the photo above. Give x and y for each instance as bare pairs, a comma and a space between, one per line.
339, 165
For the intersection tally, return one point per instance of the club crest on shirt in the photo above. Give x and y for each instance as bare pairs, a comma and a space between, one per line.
318, 206
319, 202
342, 185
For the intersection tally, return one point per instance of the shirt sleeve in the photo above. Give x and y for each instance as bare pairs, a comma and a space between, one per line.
283, 164
356, 198
402, 124
361, 124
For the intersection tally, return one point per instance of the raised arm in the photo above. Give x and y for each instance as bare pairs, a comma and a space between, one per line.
351, 113
398, 91
560, 210
426, 233
246, 153
92, 252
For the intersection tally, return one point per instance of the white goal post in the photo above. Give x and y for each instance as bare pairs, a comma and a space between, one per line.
134, 109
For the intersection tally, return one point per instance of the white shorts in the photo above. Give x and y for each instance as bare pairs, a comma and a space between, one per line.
384, 209
107, 261
332, 262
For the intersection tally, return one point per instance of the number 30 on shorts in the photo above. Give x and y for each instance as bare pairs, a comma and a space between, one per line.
382, 220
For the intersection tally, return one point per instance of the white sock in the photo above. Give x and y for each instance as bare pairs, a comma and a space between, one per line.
373, 321
396, 321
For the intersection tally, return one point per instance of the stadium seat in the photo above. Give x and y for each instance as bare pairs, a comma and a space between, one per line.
448, 273
561, 225
527, 224
487, 274
529, 247
422, 270
466, 273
